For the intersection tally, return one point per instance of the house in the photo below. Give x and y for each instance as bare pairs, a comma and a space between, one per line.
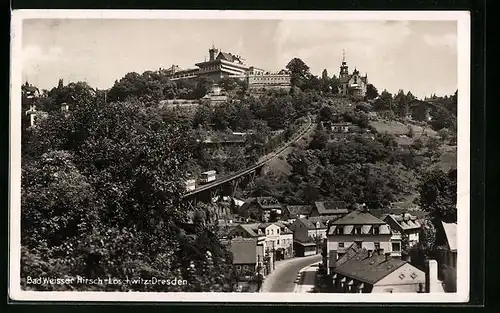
446, 243
276, 238
293, 212
362, 228
261, 208
279, 240
308, 233
246, 255
405, 224
248, 262
329, 208
353, 84
361, 270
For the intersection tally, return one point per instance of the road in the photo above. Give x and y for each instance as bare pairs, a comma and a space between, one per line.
282, 279
306, 284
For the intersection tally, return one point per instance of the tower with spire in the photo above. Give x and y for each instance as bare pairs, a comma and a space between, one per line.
344, 69
351, 84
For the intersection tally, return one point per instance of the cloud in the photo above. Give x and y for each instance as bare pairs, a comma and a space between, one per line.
447, 40
34, 53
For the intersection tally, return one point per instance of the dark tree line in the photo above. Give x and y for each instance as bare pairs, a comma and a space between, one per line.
100, 196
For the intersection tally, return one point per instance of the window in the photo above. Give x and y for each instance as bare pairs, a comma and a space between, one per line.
377, 245
272, 231
341, 244
340, 231
357, 230
376, 230
267, 232
396, 246
278, 242
402, 276
278, 231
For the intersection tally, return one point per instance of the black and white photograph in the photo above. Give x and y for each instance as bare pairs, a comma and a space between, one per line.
239, 156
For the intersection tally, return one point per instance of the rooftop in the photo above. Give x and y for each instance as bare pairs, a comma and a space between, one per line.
296, 210
450, 229
359, 218
331, 207
359, 265
244, 250
323, 221
405, 221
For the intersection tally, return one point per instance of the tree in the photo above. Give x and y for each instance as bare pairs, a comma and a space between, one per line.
384, 102
273, 216
101, 194
319, 141
438, 194
371, 92
299, 72
326, 113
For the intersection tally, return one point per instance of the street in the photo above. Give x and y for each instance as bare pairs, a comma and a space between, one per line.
308, 280
282, 279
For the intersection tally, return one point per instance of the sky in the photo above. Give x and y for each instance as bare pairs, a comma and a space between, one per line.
416, 56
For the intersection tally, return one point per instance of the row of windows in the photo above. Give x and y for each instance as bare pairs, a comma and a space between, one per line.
271, 232
376, 245
271, 78
357, 230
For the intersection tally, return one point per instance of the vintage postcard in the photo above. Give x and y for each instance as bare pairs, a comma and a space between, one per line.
239, 156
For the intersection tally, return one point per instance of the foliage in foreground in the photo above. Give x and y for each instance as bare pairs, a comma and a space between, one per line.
100, 198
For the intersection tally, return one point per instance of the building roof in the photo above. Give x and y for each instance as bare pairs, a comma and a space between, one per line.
244, 250
310, 222
229, 57
382, 213
269, 203
331, 207
450, 230
405, 221
295, 211
361, 266
251, 229
358, 218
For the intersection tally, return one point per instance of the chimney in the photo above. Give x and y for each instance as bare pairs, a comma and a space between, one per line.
380, 251
387, 256
431, 276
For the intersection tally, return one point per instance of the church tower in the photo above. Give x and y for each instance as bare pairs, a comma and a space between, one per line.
344, 69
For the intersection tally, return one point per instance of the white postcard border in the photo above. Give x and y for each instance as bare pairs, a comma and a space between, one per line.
463, 158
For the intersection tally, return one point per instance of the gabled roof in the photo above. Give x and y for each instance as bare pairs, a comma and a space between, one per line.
359, 218
349, 253
362, 267
268, 203
244, 250
331, 207
310, 222
229, 57
405, 221
450, 230
296, 210
251, 229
